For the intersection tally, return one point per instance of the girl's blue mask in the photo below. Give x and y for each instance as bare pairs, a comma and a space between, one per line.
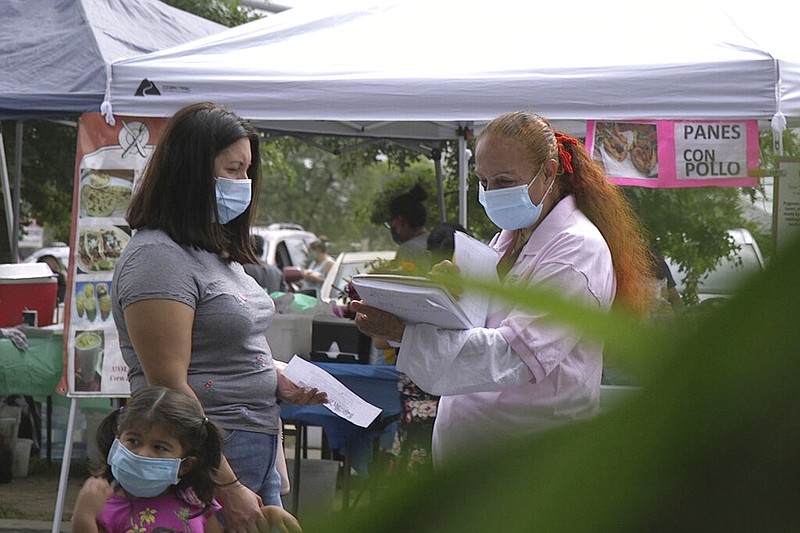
233, 197
512, 208
143, 477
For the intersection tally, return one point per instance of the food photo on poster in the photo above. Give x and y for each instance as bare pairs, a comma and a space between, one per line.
627, 149
98, 248
105, 193
88, 360
92, 302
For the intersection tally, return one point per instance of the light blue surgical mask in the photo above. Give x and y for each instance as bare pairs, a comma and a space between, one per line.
143, 477
233, 197
512, 208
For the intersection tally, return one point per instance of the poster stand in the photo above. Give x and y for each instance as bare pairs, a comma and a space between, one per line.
109, 160
65, 466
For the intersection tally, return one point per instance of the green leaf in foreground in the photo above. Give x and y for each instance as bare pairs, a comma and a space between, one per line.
709, 442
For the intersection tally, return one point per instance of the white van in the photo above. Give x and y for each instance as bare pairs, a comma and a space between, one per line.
285, 245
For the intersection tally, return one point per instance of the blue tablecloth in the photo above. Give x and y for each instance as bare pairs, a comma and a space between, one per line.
377, 384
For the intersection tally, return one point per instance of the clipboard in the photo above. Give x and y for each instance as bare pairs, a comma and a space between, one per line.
413, 299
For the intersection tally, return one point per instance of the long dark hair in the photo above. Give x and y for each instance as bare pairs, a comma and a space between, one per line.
177, 190
183, 416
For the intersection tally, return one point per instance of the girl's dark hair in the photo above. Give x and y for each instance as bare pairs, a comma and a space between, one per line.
410, 205
177, 190
183, 416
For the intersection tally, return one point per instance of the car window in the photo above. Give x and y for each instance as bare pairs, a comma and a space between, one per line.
282, 256
297, 249
732, 272
346, 272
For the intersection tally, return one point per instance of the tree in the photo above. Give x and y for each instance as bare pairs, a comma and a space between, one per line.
48, 169
226, 12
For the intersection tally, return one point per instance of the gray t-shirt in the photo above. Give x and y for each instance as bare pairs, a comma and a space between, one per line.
231, 369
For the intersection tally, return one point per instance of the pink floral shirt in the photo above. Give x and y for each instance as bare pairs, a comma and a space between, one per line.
166, 513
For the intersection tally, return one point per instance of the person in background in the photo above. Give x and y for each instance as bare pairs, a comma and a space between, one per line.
412, 444
161, 456
58, 270
441, 241
407, 220
665, 283
318, 268
188, 315
564, 226
268, 276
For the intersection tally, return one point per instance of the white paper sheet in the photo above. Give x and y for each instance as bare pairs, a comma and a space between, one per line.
475, 260
341, 400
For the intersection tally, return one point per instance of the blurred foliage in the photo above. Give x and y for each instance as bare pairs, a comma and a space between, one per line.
707, 442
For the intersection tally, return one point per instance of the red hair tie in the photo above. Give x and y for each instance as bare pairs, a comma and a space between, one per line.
566, 157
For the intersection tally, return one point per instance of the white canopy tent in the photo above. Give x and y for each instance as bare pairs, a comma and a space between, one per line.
437, 69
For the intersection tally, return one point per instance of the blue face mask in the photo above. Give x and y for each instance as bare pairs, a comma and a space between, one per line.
233, 197
143, 477
511, 208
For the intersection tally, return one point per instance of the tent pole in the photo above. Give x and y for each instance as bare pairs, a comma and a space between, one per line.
462, 180
436, 154
17, 192
6, 191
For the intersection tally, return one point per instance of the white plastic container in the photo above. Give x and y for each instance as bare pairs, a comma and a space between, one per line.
22, 457
288, 335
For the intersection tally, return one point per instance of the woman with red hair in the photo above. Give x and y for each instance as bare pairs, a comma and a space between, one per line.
563, 226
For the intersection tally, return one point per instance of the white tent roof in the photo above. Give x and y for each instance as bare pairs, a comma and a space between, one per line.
424, 68
54, 55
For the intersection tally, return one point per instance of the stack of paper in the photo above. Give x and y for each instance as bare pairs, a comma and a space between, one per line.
419, 300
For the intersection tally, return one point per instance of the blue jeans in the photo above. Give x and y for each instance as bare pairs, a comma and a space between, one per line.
252, 457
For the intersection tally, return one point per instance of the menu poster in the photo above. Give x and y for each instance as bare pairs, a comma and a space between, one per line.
109, 162
786, 202
672, 154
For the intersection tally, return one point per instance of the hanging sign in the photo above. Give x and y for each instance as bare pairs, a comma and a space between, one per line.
673, 154
109, 161
786, 202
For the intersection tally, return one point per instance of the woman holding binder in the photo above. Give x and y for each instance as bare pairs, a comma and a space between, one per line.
563, 226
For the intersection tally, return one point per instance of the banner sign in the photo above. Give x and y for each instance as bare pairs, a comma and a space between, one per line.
109, 161
672, 154
786, 202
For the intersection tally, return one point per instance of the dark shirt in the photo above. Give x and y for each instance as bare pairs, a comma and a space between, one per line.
268, 276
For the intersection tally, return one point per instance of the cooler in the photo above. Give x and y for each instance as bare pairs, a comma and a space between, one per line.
27, 287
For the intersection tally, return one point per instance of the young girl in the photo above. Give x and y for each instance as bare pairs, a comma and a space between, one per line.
162, 456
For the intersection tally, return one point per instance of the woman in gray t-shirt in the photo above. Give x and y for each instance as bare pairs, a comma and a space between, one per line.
188, 315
